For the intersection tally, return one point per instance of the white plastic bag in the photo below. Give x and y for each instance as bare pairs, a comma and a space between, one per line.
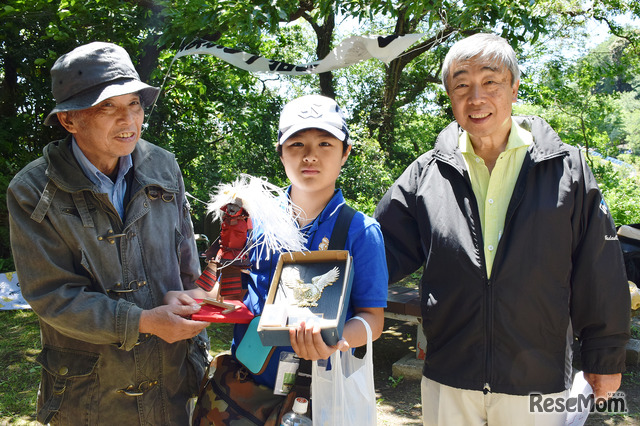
345, 395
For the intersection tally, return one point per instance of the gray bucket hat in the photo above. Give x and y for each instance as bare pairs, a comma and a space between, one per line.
91, 73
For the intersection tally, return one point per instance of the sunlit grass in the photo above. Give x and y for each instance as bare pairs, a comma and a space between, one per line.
19, 373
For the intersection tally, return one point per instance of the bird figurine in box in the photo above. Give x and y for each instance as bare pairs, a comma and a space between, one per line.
307, 294
246, 204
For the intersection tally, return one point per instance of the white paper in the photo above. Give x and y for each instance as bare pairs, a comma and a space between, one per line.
10, 295
580, 387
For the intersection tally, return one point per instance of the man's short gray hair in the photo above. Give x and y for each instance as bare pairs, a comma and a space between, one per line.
488, 47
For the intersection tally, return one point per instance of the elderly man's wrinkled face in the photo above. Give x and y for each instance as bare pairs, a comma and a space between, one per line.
107, 131
481, 97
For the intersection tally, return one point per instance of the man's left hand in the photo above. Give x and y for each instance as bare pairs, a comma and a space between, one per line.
603, 385
179, 298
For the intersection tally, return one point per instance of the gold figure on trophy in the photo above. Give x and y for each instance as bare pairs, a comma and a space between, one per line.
307, 294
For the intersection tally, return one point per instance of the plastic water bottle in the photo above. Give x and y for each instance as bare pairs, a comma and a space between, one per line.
297, 416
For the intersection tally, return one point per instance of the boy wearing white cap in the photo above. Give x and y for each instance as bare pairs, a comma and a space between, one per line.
85, 221
314, 144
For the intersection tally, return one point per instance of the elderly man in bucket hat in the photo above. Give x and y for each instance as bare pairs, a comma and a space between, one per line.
101, 233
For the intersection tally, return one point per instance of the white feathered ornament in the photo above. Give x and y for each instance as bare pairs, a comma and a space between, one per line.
269, 209
249, 202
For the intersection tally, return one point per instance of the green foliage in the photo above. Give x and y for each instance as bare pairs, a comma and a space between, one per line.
623, 200
224, 20
220, 336
217, 123
394, 382
32, 35
364, 178
594, 103
417, 130
629, 107
621, 190
220, 121
620, 186
581, 116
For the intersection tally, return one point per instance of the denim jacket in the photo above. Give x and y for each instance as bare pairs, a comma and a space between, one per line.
88, 276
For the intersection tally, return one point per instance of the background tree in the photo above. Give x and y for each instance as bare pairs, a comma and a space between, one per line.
32, 35
221, 121
591, 102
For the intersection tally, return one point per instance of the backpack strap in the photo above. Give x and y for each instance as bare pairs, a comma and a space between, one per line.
336, 242
341, 228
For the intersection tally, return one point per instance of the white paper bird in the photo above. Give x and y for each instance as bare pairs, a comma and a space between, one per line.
307, 294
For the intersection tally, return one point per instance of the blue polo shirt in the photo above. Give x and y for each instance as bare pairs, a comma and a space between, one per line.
370, 276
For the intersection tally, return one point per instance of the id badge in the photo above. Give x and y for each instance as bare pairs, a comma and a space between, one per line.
286, 376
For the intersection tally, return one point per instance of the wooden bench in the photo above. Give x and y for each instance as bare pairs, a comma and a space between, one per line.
403, 304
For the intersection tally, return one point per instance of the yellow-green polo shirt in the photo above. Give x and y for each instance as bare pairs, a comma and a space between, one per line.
493, 191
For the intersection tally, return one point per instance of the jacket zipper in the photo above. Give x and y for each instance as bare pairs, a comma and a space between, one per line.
489, 288
489, 328
488, 296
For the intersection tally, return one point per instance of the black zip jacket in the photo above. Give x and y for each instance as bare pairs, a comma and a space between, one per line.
558, 273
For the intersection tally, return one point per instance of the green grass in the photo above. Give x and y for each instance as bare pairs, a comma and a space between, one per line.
411, 280
220, 336
20, 373
635, 331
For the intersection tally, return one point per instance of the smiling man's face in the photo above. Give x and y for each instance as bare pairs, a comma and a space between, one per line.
481, 96
107, 131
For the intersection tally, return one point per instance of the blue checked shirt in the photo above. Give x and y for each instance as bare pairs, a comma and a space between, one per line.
115, 190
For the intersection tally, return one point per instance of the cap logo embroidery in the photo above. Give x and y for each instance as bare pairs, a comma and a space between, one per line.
310, 113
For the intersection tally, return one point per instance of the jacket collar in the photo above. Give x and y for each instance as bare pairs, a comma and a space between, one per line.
546, 142
149, 164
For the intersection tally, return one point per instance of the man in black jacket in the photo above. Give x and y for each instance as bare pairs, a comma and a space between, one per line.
519, 250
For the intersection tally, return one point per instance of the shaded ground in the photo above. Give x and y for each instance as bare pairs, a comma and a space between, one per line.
399, 400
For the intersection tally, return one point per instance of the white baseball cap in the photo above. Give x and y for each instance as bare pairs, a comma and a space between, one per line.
312, 112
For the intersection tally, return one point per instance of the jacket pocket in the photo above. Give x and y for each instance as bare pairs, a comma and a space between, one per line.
68, 384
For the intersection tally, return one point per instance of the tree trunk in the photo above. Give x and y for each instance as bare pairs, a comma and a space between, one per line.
8, 94
386, 136
324, 33
392, 84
